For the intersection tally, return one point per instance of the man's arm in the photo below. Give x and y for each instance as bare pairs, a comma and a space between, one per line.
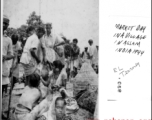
33, 49
58, 42
45, 83
33, 53
82, 54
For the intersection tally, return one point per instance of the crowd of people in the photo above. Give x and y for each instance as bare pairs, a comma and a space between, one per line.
49, 63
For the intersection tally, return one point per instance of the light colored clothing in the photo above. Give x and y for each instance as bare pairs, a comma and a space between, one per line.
29, 97
85, 55
48, 44
5, 80
7, 49
32, 42
19, 44
28, 62
62, 59
74, 63
95, 57
91, 50
61, 77
21, 113
50, 114
13, 63
29, 68
26, 103
7, 46
43, 90
96, 110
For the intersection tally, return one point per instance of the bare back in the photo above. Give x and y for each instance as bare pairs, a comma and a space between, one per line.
29, 97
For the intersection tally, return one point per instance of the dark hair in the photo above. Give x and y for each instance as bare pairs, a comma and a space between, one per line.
34, 80
90, 41
60, 98
41, 29
75, 40
58, 64
48, 24
63, 94
14, 39
29, 29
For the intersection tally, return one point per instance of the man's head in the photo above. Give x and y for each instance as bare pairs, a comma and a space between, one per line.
14, 38
48, 28
5, 22
90, 42
5, 32
60, 107
97, 47
57, 66
30, 30
34, 80
40, 32
75, 41
86, 49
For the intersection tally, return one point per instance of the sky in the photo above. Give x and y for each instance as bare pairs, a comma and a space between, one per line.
73, 18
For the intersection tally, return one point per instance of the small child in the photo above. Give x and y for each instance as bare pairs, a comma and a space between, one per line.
29, 98
60, 105
56, 112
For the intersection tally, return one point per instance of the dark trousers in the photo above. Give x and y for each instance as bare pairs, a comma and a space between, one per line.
4, 89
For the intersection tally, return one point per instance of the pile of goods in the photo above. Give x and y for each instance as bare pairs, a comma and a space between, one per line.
85, 87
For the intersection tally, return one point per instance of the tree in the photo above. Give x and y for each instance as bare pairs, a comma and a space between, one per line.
34, 20
11, 31
22, 31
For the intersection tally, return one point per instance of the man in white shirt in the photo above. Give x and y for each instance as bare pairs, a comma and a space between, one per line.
91, 50
29, 58
49, 42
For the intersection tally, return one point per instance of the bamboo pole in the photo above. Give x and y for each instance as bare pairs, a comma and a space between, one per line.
10, 96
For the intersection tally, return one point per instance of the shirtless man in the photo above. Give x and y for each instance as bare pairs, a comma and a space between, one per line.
29, 98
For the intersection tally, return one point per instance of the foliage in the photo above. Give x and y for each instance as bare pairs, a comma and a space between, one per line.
22, 30
34, 20
11, 31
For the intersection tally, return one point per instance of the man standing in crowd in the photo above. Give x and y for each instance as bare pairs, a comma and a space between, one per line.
7, 55
74, 56
91, 50
85, 54
95, 58
29, 58
49, 42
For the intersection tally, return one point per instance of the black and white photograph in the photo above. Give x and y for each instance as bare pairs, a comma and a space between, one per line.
50, 59
76, 60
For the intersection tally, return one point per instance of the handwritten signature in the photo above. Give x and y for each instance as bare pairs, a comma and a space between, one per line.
125, 72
